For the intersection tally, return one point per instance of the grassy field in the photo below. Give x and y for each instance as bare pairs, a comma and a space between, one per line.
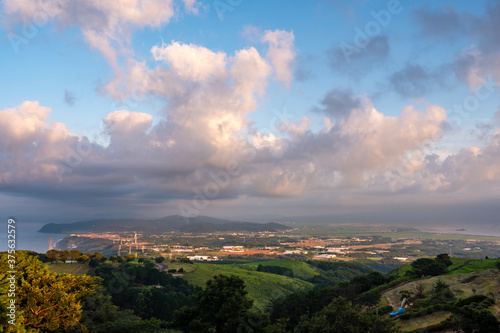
73, 268
177, 265
423, 322
471, 265
262, 287
301, 269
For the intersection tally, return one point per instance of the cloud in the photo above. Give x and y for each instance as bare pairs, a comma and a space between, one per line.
106, 26
280, 53
338, 103
173, 156
191, 62
69, 97
414, 81
302, 70
481, 58
30, 145
442, 23
355, 61
411, 81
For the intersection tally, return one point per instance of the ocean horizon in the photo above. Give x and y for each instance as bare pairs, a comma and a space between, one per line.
28, 238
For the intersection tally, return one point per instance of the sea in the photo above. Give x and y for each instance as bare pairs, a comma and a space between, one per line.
28, 238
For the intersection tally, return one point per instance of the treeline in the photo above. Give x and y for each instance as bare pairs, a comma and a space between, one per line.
118, 298
275, 270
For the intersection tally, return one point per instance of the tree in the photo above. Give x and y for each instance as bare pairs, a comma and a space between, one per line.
94, 262
444, 259
428, 266
441, 293
99, 315
160, 259
341, 316
52, 255
74, 254
129, 258
222, 307
46, 301
83, 258
99, 256
64, 255
497, 265
477, 321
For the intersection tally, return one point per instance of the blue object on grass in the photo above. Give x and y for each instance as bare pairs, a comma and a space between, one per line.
400, 311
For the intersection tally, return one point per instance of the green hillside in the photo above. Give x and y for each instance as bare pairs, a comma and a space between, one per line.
462, 265
262, 287
464, 278
301, 269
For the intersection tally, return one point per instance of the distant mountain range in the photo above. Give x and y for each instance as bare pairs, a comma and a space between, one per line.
200, 224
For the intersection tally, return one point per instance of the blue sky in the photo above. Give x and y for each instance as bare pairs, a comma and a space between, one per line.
347, 105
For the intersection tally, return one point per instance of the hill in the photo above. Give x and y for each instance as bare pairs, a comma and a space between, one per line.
200, 224
465, 278
266, 287
262, 287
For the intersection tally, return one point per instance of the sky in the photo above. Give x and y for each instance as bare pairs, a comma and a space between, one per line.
339, 111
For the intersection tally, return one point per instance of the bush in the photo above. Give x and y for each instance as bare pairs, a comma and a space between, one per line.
469, 300
94, 262
428, 266
385, 310
275, 270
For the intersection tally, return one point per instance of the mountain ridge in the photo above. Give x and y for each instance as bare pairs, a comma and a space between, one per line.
199, 224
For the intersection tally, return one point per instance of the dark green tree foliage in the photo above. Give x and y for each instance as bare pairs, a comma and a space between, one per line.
341, 316
441, 293
99, 315
477, 321
145, 290
427, 267
335, 272
94, 262
444, 259
275, 270
357, 290
223, 306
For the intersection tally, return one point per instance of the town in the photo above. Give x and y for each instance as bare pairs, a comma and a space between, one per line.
388, 246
